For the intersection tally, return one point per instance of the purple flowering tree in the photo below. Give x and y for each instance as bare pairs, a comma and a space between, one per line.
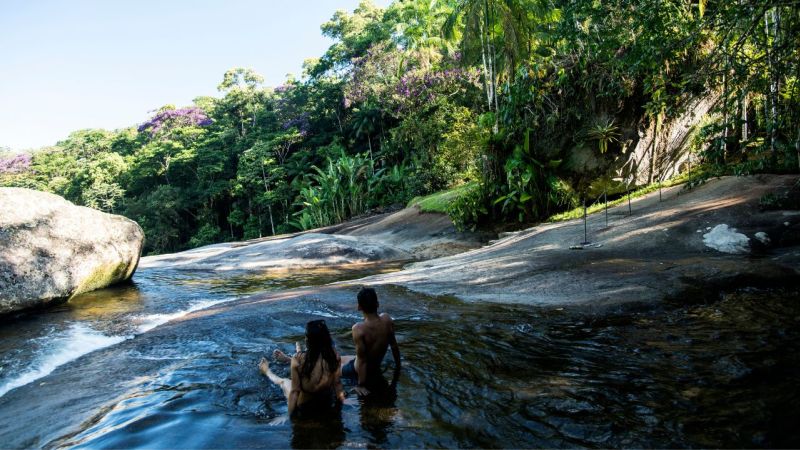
173, 133
374, 74
168, 118
15, 164
419, 87
403, 80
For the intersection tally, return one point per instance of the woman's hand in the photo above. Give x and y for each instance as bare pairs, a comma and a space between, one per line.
280, 356
361, 391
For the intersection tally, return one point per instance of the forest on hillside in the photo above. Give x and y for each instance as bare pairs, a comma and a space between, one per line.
521, 104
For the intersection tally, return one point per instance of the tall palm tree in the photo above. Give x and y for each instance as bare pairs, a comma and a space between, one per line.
500, 32
419, 23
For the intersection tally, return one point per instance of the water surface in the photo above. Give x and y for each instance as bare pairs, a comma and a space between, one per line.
721, 373
33, 345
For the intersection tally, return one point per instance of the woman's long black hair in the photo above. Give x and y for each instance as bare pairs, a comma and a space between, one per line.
319, 343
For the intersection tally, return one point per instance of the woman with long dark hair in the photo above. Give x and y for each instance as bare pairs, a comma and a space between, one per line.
314, 372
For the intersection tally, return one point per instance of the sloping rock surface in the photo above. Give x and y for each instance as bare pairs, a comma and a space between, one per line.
660, 249
51, 249
425, 235
303, 250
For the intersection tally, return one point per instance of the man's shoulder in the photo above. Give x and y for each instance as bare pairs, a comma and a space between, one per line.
386, 317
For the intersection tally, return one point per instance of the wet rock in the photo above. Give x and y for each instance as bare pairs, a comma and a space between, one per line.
763, 237
51, 249
573, 407
731, 369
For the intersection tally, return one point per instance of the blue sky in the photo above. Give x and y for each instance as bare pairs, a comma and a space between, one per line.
73, 64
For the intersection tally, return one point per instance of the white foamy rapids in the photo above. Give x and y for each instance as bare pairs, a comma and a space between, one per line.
62, 348
150, 321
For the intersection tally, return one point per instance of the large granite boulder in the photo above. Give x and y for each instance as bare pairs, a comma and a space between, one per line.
51, 249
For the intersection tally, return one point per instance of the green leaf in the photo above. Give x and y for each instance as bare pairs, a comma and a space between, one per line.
527, 145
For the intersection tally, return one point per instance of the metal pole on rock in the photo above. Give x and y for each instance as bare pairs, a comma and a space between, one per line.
585, 230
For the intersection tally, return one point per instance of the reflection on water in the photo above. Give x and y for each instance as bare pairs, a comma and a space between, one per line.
721, 374
323, 430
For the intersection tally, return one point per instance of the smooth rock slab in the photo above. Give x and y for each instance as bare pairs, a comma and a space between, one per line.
51, 249
305, 250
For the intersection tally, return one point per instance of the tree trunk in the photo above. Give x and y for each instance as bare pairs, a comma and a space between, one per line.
492, 65
725, 112
339, 122
230, 225
271, 222
371, 159
487, 80
652, 168
772, 118
269, 206
744, 115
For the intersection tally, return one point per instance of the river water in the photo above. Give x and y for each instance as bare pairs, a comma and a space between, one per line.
33, 345
721, 373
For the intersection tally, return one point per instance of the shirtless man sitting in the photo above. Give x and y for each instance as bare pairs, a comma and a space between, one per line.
372, 338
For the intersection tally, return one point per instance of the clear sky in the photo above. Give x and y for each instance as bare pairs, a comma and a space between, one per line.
72, 64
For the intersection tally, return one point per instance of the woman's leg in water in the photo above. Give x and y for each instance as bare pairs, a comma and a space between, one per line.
284, 383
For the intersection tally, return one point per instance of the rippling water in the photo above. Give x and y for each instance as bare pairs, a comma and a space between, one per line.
715, 374
33, 345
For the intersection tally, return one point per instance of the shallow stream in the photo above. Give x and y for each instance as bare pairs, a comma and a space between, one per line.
33, 345
718, 374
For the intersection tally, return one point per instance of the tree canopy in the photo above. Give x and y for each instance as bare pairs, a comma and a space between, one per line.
531, 101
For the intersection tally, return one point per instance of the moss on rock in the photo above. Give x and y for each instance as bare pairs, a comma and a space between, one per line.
104, 275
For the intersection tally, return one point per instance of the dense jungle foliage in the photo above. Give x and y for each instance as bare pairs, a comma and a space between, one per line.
528, 101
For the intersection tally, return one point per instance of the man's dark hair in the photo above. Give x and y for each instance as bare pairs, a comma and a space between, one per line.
368, 300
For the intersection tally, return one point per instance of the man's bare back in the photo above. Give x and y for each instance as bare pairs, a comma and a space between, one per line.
372, 337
